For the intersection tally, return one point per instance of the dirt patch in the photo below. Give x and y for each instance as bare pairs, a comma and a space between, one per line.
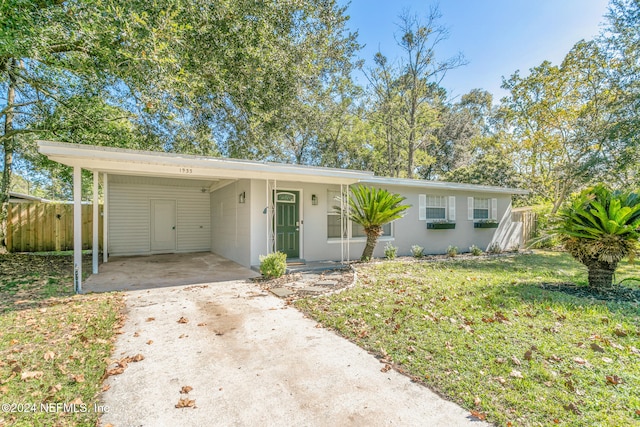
218, 319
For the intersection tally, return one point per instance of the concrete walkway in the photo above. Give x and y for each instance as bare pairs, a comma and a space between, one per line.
251, 360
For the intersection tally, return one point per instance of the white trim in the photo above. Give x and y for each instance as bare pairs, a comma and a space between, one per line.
442, 185
135, 162
96, 217
77, 229
470, 208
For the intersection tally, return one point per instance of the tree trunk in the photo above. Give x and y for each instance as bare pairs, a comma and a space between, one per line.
8, 148
601, 276
372, 239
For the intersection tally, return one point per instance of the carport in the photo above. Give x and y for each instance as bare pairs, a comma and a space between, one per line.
157, 202
165, 270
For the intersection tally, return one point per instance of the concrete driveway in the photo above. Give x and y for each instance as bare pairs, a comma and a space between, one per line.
156, 271
251, 360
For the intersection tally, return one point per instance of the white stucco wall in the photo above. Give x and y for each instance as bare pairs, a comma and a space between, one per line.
408, 231
231, 225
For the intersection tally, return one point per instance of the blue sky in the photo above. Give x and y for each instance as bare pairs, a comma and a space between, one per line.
497, 37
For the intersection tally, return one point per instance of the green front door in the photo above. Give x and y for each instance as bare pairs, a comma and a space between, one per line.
288, 223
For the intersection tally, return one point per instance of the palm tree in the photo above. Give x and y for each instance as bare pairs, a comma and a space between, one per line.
372, 208
599, 228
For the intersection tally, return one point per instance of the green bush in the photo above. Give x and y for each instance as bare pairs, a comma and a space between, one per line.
452, 251
273, 265
417, 251
475, 251
390, 251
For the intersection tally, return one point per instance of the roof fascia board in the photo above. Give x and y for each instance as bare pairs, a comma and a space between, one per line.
442, 185
91, 157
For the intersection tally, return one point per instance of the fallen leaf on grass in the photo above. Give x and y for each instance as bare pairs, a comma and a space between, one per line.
183, 320
78, 378
607, 360
477, 401
619, 332
572, 407
479, 415
105, 387
186, 403
185, 389
4, 389
30, 375
49, 355
596, 347
515, 361
527, 355
54, 389
637, 411
614, 379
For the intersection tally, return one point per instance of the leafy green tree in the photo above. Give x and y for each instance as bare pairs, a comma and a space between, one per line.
621, 38
599, 228
561, 120
407, 95
456, 142
372, 208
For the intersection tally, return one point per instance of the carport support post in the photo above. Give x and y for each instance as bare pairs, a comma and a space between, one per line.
105, 217
96, 218
77, 229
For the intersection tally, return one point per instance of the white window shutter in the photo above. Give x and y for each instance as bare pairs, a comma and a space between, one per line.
452, 208
470, 208
422, 206
494, 208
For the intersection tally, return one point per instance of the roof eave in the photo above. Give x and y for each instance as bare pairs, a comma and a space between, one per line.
443, 185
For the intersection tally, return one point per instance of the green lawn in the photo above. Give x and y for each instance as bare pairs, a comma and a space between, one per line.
485, 334
54, 346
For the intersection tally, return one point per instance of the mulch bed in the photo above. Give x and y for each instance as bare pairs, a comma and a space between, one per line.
618, 293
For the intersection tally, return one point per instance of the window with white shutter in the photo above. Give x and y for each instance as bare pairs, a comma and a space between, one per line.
435, 208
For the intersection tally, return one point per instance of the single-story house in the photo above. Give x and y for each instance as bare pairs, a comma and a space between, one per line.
166, 203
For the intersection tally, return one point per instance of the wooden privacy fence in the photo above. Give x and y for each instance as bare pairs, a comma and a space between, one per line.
529, 220
38, 227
